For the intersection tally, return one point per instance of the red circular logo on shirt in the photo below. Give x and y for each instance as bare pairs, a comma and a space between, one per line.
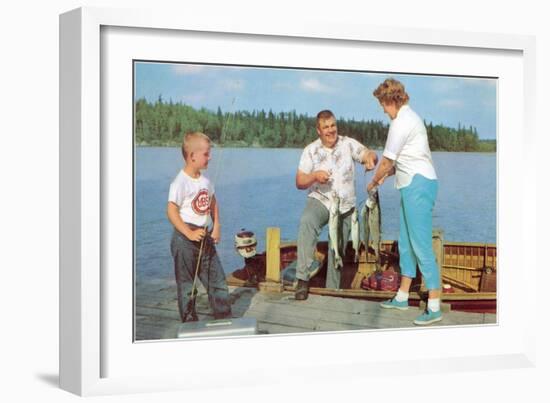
201, 202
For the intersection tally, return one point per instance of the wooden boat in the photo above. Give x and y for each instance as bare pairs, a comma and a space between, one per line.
468, 271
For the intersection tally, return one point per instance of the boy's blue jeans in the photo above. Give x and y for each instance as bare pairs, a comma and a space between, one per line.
415, 231
185, 254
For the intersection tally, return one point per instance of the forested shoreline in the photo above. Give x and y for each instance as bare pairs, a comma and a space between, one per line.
164, 123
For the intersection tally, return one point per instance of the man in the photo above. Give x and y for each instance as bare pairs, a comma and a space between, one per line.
327, 169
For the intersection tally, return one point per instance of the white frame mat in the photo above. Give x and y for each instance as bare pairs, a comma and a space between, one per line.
97, 353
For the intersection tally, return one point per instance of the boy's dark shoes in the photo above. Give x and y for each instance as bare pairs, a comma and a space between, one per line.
301, 290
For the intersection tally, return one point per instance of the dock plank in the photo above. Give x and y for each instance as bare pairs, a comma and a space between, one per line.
157, 314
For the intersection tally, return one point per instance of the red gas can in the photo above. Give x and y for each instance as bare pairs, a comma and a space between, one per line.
390, 280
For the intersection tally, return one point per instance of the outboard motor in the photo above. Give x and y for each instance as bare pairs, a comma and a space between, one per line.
245, 243
253, 271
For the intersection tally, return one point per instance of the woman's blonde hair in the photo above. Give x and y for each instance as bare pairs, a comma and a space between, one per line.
391, 91
189, 139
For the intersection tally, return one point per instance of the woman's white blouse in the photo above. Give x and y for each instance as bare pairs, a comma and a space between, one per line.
407, 145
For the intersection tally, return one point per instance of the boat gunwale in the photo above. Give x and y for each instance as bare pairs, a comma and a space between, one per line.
287, 244
362, 293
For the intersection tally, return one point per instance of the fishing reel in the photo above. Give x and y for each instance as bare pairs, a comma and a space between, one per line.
245, 243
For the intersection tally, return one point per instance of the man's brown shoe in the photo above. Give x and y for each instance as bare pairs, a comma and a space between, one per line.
301, 290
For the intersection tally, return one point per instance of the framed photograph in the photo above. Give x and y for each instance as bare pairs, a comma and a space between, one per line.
134, 83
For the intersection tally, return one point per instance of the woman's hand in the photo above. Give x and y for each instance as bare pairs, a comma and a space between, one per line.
374, 183
381, 180
371, 186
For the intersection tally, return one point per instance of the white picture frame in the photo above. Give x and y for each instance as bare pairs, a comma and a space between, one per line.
92, 363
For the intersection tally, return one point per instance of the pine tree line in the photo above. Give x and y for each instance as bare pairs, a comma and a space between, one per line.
164, 123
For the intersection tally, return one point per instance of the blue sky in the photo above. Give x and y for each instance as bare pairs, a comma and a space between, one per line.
437, 99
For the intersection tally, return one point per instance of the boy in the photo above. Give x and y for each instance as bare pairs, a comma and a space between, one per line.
192, 209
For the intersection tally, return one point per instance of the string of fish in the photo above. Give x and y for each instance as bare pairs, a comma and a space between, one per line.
371, 223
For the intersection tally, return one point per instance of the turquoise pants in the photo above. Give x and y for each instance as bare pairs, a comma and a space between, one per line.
415, 231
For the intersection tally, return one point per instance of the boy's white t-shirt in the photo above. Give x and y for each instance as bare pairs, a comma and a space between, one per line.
407, 145
192, 196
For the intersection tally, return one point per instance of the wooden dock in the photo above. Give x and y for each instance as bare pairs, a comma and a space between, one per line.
157, 314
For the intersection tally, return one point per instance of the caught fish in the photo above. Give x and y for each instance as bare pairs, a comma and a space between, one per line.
355, 234
371, 222
333, 228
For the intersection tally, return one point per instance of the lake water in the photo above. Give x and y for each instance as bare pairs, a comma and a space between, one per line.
255, 189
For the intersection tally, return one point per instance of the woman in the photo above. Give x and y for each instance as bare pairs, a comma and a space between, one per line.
407, 155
